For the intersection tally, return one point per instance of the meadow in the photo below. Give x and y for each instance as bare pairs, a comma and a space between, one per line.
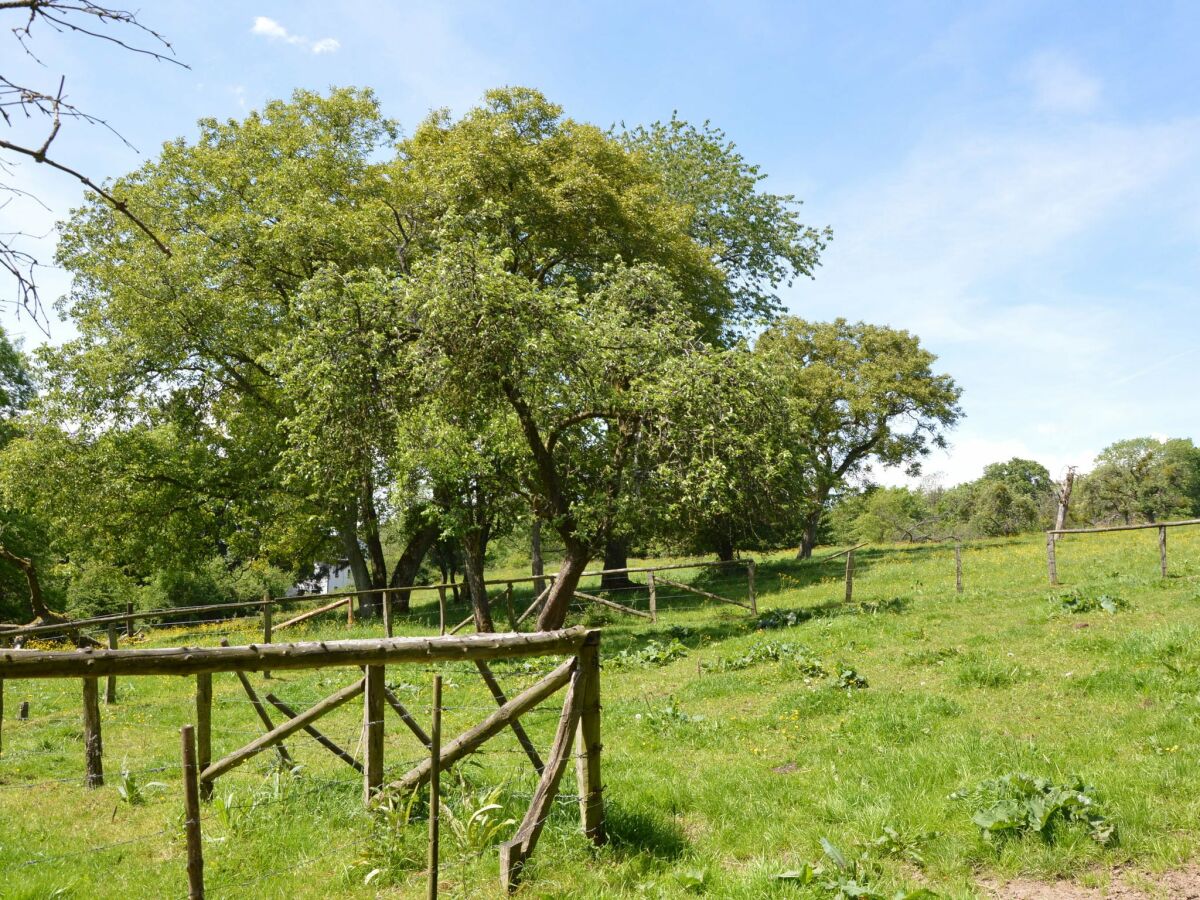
820, 747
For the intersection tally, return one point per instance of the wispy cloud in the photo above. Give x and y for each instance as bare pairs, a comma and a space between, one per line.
1059, 85
272, 30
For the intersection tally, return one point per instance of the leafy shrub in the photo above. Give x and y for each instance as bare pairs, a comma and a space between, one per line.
653, 655
1074, 601
796, 657
1016, 804
774, 619
849, 679
669, 716
840, 877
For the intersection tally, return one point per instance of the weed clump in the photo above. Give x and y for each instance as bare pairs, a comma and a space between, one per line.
1014, 805
1075, 601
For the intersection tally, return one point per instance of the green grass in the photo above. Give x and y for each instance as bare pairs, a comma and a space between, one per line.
723, 767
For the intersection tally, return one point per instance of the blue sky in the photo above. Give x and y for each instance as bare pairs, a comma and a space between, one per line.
1018, 183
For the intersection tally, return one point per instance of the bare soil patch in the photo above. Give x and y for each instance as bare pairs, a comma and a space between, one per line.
1180, 884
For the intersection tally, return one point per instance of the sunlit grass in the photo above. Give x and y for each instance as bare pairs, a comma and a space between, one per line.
716, 781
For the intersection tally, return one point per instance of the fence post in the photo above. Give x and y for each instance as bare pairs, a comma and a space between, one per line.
958, 585
508, 604
191, 816
204, 729
387, 612
23, 711
441, 609
1, 716
1162, 549
93, 749
267, 625
373, 698
110, 686
350, 610
1051, 563
849, 576
751, 567
653, 597
587, 742
129, 619
435, 786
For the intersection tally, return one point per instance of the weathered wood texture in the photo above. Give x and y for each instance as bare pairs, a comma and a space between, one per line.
587, 760
316, 735
204, 698
958, 581
93, 746
435, 786
612, 604
687, 587
191, 816
514, 853
472, 738
313, 613
281, 732
1162, 551
373, 710
110, 683
1051, 562
850, 576
1176, 524
518, 729
307, 655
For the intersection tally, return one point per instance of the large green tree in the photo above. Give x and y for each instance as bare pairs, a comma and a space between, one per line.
858, 395
255, 389
1143, 479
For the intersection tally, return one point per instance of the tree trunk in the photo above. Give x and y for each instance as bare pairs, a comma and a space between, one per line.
725, 548
808, 539
616, 556
537, 566
41, 613
368, 604
575, 560
474, 547
1064, 499
370, 519
409, 563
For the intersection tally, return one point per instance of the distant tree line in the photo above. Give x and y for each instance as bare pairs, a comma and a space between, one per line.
1132, 481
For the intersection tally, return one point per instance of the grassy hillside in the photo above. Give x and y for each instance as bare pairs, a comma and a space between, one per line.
733, 747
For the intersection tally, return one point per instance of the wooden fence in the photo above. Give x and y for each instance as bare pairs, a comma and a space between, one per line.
1053, 535
113, 627
578, 726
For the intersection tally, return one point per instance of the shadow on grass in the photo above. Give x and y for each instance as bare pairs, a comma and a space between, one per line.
633, 832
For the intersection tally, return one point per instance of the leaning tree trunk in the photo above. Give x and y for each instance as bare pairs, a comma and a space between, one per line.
474, 547
616, 556
409, 564
42, 614
574, 563
368, 604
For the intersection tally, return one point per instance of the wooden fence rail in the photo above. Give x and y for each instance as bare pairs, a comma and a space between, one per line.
581, 714
1053, 535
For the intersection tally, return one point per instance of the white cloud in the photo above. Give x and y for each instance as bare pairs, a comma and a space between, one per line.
1059, 85
272, 30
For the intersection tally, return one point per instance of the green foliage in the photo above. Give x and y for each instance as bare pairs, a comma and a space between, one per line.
668, 717
1143, 479
841, 877
1015, 804
653, 654
796, 658
849, 679
1076, 601
856, 394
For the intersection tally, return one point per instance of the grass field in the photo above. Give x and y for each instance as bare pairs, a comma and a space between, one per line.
728, 756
